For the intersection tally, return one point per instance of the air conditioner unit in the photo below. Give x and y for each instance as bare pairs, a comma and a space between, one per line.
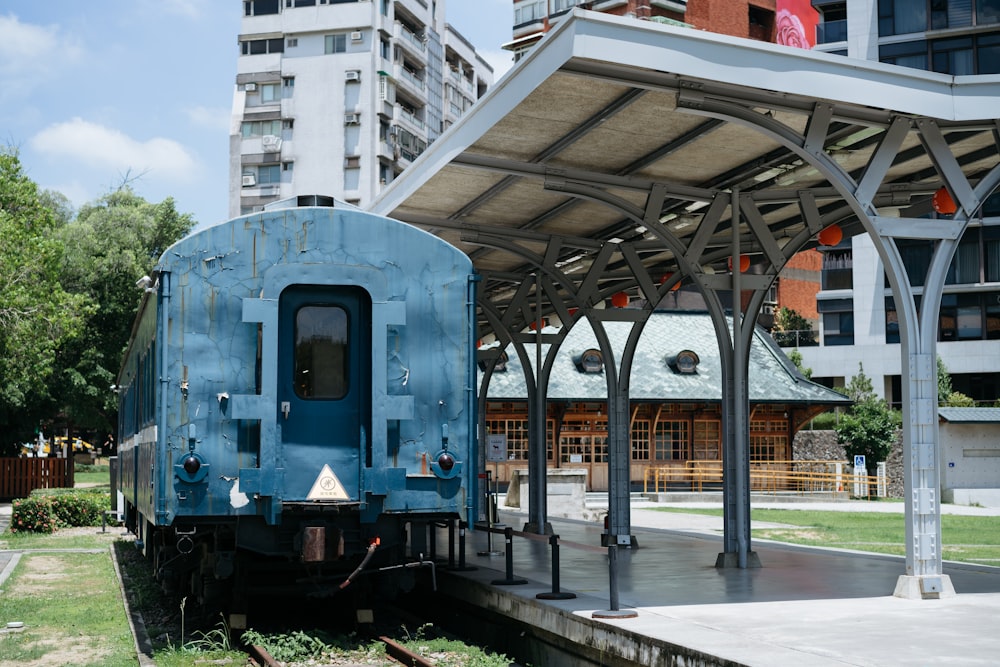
768, 309
250, 87
352, 119
270, 143
353, 75
357, 36
249, 180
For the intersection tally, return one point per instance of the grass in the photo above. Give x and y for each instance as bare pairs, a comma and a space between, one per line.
72, 612
92, 474
90, 538
969, 539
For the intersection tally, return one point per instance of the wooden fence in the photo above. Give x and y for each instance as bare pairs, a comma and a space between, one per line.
19, 477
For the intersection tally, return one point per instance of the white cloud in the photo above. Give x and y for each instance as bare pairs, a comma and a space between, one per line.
214, 119
99, 146
24, 44
31, 53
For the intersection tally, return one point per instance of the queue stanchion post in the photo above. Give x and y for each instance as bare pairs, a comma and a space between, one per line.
510, 579
489, 520
555, 594
462, 566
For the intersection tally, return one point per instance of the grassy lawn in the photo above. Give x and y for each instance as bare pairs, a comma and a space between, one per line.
72, 612
97, 474
970, 539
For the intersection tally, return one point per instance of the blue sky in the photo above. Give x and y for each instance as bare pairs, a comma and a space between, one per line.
93, 93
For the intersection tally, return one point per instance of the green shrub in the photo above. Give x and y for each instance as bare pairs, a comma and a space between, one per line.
957, 399
48, 509
32, 515
80, 509
823, 422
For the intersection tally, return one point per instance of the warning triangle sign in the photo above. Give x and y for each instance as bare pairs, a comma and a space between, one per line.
327, 487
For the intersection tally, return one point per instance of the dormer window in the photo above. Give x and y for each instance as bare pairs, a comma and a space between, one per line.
500, 366
684, 362
590, 361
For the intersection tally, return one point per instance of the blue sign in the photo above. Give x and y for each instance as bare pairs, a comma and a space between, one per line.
859, 461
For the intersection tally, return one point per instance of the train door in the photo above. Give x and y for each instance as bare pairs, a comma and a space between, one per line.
324, 390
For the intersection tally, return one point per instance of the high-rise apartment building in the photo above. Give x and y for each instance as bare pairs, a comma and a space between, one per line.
338, 97
948, 36
857, 316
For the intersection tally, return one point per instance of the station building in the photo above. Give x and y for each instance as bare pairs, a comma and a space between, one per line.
675, 414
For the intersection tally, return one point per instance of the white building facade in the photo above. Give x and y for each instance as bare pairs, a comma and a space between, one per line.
337, 97
858, 322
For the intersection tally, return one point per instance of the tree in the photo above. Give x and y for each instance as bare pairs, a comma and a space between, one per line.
943, 381
860, 387
112, 243
792, 330
869, 427
957, 399
796, 358
37, 316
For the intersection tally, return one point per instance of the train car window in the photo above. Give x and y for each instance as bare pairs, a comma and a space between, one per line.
321, 352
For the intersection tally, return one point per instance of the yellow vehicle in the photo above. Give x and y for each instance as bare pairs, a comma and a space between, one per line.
76, 444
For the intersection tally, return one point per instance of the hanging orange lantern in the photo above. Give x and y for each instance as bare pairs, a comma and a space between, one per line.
744, 263
619, 300
667, 276
942, 202
831, 236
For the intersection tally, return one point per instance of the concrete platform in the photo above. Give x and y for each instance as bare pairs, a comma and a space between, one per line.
805, 606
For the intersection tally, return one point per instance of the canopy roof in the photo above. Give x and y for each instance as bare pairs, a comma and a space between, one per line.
609, 159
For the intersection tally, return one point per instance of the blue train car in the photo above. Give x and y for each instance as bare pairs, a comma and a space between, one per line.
298, 397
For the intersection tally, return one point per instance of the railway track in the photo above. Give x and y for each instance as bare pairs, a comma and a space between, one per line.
396, 651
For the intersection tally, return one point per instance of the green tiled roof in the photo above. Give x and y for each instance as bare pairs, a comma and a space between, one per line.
772, 377
970, 415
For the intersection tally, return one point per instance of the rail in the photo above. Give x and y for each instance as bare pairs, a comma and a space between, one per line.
806, 477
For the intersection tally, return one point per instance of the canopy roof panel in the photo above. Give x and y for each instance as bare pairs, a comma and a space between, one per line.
611, 156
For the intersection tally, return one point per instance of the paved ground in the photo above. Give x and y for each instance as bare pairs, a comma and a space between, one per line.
805, 606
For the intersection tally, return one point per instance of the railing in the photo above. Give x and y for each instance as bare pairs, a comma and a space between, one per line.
412, 38
797, 338
410, 117
412, 77
831, 31
806, 477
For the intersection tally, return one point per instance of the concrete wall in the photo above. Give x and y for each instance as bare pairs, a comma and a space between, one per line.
970, 464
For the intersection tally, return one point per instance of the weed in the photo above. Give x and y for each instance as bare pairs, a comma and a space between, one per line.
217, 639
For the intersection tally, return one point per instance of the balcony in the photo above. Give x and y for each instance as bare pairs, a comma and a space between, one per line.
410, 41
410, 118
457, 78
410, 80
833, 279
831, 31
803, 338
